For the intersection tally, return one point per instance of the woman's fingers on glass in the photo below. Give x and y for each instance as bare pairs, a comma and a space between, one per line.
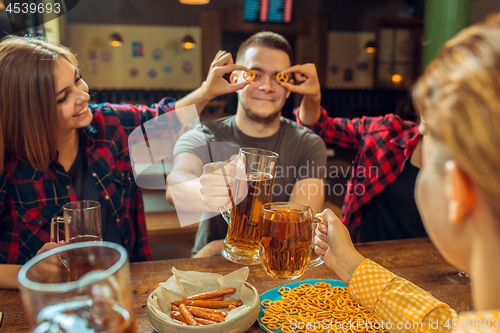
322, 235
321, 243
48, 269
321, 229
47, 246
320, 251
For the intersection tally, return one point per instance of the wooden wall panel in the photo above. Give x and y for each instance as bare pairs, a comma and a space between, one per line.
211, 22
309, 30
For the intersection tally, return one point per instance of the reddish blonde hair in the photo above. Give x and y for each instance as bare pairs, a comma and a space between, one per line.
459, 95
28, 114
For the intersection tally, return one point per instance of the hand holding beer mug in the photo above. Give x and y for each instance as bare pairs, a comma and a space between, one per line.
286, 235
97, 300
217, 181
81, 222
255, 171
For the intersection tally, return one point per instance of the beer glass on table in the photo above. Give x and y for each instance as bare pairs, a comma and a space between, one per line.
81, 222
255, 171
286, 236
98, 299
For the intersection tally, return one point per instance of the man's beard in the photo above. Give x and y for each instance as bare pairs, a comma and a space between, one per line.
259, 119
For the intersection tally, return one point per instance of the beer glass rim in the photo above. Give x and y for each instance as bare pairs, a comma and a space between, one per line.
259, 151
267, 206
94, 204
68, 286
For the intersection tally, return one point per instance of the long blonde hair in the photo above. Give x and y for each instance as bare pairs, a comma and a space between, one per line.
459, 95
28, 113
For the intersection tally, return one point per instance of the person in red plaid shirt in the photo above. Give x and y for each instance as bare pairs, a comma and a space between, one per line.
379, 203
56, 148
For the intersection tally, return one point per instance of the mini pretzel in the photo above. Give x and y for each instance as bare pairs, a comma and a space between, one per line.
282, 77
249, 76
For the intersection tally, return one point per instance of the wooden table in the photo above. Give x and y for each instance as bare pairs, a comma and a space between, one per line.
414, 259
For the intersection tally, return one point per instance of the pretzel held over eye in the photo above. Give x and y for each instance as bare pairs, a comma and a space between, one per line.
282, 77
249, 76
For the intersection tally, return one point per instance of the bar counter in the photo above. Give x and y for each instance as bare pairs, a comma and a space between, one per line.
414, 259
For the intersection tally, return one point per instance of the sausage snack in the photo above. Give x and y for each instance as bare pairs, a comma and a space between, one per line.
198, 313
192, 301
205, 321
210, 304
214, 311
200, 309
221, 298
212, 294
178, 317
188, 317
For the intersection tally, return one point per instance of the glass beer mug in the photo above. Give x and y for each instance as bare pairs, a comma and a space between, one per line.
96, 298
255, 171
81, 222
286, 236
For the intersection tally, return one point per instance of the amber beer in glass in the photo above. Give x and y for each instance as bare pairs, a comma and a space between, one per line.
286, 236
98, 299
255, 172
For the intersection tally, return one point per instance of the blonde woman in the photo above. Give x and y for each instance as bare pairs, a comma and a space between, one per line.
457, 191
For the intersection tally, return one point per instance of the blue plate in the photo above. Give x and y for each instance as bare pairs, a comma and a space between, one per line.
274, 295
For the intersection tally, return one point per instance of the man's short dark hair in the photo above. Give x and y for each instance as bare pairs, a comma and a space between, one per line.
267, 39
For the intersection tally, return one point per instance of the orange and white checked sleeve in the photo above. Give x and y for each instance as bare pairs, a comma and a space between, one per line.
400, 305
478, 322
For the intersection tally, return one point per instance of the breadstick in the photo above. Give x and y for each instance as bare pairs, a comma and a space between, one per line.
217, 312
231, 307
178, 321
187, 315
205, 315
205, 321
211, 294
175, 308
176, 315
210, 304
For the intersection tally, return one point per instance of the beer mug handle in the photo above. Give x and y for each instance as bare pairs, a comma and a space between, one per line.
226, 214
226, 211
54, 228
319, 260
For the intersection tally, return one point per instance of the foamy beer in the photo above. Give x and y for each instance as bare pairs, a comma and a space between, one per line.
255, 170
286, 235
